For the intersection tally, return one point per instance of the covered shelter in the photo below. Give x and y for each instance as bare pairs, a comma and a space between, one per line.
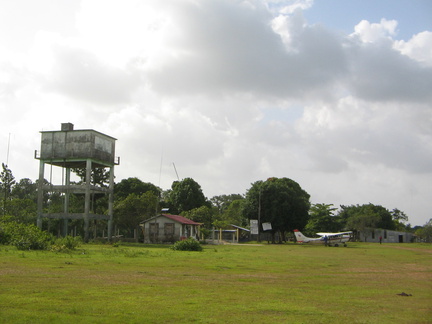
231, 234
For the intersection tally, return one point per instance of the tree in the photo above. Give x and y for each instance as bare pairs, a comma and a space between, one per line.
229, 208
234, 213
186, 195
203, 214
322, 219
7, 182
98, 176
399, 219
22, 210
425, 232
25, 189
133, 186
222, 202
280, 201
363, 217
129, 212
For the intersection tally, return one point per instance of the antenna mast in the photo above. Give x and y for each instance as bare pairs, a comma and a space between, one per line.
7, 156
176, 172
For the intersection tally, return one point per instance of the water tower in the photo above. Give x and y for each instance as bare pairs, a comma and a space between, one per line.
69, 149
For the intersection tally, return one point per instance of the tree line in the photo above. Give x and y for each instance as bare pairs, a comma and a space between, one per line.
278, 201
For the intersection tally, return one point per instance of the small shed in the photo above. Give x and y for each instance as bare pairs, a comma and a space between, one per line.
166, 228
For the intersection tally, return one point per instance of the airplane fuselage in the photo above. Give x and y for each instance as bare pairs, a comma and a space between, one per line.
326, 238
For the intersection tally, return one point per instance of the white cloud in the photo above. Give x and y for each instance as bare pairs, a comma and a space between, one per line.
379, 72
419, 47
372, 32
290, 6
79, 74
232, 92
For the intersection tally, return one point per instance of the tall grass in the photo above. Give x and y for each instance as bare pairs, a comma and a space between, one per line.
222, 284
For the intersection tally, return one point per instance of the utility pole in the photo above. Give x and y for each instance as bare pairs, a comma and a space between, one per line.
259, 215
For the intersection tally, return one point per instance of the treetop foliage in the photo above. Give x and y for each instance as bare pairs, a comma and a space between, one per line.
186, 195
134, 186
280, 201
360, 217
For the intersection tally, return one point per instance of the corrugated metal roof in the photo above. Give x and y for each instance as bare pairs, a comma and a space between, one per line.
243, 229
176, 218
181, 219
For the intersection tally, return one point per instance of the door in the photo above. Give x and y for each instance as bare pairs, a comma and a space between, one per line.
154, 232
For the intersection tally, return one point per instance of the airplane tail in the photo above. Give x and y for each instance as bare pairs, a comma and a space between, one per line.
300, 237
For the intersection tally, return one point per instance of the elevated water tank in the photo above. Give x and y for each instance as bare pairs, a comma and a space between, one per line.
71, 148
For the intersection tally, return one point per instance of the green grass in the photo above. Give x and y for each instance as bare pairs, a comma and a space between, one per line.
223, 284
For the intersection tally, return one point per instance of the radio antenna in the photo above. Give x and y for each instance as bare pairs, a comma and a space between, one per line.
176, 172
7, 156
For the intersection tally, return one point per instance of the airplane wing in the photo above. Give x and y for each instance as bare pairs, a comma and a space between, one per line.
333, 234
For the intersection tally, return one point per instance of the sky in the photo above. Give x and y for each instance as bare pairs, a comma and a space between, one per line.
335, 95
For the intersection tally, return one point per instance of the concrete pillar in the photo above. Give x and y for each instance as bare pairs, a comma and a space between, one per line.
40, 193
110, 202
87, 200
66, 202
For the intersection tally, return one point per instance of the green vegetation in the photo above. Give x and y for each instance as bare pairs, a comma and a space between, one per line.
283, 283
24, 236
187, 245
29, 237
280, 201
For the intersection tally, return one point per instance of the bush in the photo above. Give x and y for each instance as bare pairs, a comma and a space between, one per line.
24, 236
66, 244
187, 245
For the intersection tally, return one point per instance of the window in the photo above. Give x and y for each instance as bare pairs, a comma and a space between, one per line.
169, 228
154, 228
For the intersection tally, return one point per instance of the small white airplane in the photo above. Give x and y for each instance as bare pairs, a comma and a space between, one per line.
325, 238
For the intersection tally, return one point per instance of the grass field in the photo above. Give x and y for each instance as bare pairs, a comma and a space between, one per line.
285, 283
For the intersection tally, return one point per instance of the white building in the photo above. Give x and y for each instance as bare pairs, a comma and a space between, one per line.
168, 228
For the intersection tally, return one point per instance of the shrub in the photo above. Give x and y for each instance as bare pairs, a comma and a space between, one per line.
66, 244
187, 245
24, 236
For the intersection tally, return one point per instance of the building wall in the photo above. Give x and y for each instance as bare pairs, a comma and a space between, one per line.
164, 231
374, 234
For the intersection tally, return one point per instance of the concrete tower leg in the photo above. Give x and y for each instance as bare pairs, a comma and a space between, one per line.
66, 202
40, 193
87, 200
110, 202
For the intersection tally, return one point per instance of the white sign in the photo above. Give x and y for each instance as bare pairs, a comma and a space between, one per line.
254, 226
266, 226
